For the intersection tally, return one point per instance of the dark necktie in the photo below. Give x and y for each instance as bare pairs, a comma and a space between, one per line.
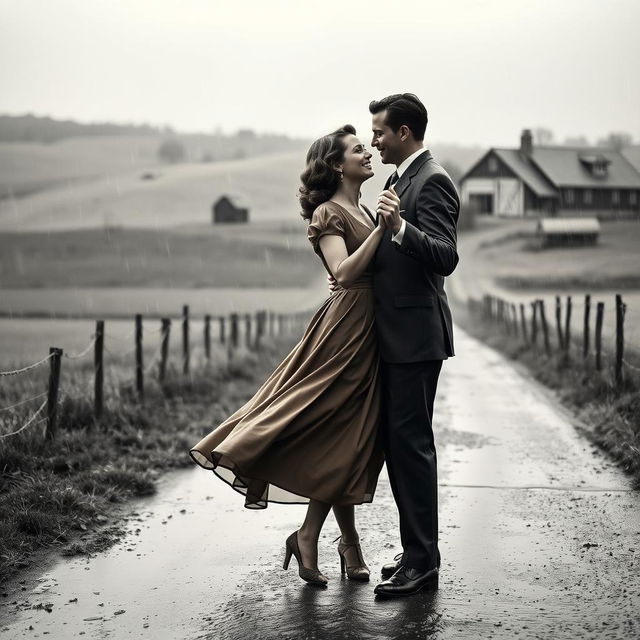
394, 178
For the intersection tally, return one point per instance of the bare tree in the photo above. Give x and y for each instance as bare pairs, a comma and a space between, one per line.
576, 141
617, 140
542, 136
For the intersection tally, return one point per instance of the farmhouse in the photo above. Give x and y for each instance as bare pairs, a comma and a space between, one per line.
552, 181
230, 208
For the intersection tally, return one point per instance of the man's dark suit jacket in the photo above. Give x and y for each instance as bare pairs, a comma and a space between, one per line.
413, 320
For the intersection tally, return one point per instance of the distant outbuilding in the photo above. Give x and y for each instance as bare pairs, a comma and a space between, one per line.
230, 208
567, 231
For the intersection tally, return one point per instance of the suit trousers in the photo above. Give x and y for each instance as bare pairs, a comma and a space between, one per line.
408, 392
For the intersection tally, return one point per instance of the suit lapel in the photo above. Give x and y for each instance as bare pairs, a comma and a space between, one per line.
411, 171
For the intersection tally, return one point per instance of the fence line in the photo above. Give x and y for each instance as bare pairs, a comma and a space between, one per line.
255, 329
17, 404
77, 356
27, 368
31, 419
497, 310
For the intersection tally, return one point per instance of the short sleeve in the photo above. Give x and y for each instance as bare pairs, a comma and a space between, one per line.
325, 221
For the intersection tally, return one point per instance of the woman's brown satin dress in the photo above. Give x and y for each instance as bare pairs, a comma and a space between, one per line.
311, 430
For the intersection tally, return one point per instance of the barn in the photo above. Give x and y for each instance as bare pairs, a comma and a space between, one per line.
230, 208
552, 181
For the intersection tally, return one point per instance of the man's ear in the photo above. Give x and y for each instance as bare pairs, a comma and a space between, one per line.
404, 132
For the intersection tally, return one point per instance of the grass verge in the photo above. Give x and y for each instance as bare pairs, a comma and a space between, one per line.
65, 493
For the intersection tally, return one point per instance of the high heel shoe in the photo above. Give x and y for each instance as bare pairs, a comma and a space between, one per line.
312, 576
358, 572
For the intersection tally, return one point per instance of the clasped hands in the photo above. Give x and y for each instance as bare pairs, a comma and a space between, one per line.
388, 210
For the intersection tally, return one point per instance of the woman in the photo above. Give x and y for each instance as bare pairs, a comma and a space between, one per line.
309, 434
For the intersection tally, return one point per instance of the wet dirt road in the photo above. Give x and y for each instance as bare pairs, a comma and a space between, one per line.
539, 538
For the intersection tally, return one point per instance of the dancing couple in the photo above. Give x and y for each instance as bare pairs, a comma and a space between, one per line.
358, 389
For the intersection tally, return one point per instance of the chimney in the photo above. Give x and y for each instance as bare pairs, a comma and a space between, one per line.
526, 142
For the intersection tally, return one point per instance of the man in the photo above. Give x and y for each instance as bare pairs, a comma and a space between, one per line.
414, 329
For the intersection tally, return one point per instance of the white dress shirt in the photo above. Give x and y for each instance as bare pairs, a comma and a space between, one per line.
397, 237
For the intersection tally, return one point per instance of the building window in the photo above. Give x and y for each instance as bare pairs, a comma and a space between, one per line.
633, 197
587, 196
569, 196
599, 169
615, 197
493, 165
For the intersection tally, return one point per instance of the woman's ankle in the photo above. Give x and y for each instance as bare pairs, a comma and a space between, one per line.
351, 537
308, 536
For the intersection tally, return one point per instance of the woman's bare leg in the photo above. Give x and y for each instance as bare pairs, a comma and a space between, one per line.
309, 532
345, 517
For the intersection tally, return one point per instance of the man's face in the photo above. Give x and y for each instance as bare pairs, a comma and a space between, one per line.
385, 140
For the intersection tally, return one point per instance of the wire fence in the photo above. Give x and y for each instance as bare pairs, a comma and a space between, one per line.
246, 331
554, 330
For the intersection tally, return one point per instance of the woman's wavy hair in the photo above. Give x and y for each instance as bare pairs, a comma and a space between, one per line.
319, 179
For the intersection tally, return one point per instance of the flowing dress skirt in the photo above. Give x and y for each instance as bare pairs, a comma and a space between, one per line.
311, 430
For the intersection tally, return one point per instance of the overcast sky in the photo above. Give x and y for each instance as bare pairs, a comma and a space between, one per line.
484, 69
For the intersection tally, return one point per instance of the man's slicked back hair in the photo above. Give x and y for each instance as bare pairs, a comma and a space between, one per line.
403, 108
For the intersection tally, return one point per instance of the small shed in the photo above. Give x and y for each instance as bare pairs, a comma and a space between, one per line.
567, 231
230, 208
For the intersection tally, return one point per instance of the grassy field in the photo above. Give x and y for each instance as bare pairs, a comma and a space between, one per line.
30, 167
258, 255
614, 263
178, 195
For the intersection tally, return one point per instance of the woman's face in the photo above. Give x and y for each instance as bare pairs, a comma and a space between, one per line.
357, 160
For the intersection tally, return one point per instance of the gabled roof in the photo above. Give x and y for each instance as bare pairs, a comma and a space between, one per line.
238, 201
563, 167
549, 168
525, 170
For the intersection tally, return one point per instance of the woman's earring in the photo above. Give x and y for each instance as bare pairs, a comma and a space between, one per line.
341, 176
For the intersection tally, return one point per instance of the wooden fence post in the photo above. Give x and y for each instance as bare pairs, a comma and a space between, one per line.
620, 309
222, 326
52, 396
139, 369
504, 318
185, 339
233, 337
514, 316
567, 327
534, 323
207, 337
164, 350
545, 327
598, 337
261, 318
247, 330
98, 367
585, 334
523, 320
559, 323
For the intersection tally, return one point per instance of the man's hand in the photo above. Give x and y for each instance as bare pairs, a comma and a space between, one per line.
333, 285
389, 209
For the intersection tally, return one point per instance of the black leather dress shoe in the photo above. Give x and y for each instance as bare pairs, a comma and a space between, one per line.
389, 569
407, 581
